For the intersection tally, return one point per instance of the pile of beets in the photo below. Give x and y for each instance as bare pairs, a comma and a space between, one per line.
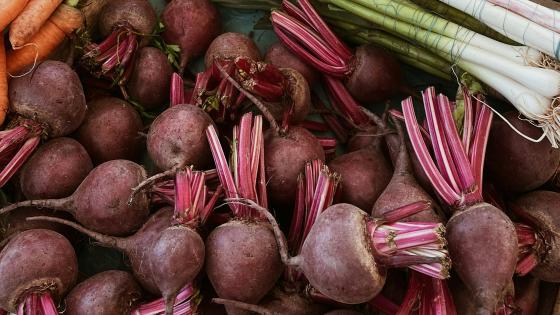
240, 190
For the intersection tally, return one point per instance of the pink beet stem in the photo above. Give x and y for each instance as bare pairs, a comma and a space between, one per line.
384, 305
400, 116
108, 43
222, 167
191, 193
177, 91
200, 87
335, 70
241, 178
327, 142
345, 102
296, 226
294, 11
438, 182
406, 211
466, 178
441, 149
326, 33
308, 38
37, 303
468, 124
116, 56
480, 140
406, 244
19, 159
186, 303
412, 296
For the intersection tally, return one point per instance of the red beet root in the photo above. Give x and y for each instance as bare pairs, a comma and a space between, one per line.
517, 165
110, 292
237, 252
101, 200
365, 174
36, 262
229, 46
539, 210
111, 130
49, 102
55, 170
154, 254
191, 24
177, 138
285, 157
151, 78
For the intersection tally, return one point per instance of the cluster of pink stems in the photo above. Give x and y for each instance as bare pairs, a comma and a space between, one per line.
186, 303
528, 241
302, 30
456, 174
37, 303
113, 58
244, 176
17, 145
315, 192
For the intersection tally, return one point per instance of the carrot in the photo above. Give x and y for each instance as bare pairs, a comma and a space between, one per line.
30, 20
62, 22
3, 82
9, 10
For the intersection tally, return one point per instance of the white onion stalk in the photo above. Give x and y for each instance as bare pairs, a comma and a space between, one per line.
511, 25
533, 91
541, 110
533, 11
409, 12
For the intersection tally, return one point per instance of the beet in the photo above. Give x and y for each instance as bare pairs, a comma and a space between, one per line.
55, 170
365, 174
337, 259
51, 95
517, 165
229, 46
111, 130
370, 73
470, 233
281, 57
403, 189
177, 138
34, 261
376, 75
110, 292
137, 14
540, 209
151, 78
101, 200
285, 157
191, 24
154, 254
48, 103
242, 261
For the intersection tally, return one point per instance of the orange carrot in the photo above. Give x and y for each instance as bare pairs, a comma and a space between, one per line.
4, 101
9, 9
30, 20
62, 22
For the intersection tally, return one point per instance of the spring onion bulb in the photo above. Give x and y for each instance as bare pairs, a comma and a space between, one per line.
511, 25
